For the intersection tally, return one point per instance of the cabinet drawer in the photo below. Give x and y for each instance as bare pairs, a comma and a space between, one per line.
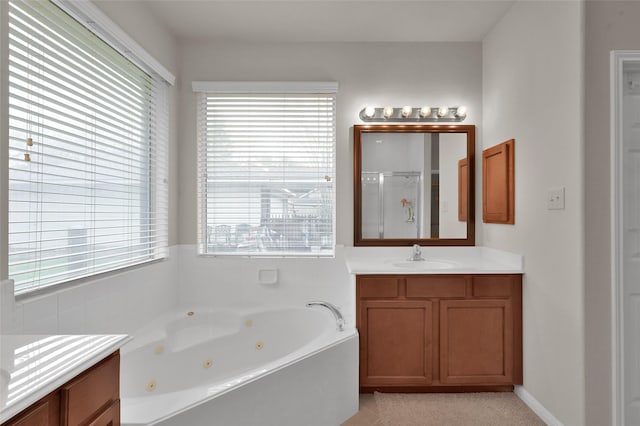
378, 287
436, 286
492, 286
91, 392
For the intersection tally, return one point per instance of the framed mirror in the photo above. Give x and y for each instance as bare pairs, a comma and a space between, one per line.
414, 184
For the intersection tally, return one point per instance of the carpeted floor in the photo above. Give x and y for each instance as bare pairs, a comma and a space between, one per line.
441, 409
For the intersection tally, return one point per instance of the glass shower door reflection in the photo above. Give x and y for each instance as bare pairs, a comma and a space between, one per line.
401, 205
371, 207
391, 204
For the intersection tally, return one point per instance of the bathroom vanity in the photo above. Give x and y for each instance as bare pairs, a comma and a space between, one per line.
451, 321
447, 325
60, 380
439, 332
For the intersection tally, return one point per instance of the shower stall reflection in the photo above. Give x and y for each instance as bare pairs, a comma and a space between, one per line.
393, 203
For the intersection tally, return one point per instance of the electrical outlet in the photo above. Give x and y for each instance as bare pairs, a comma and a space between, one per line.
555, 199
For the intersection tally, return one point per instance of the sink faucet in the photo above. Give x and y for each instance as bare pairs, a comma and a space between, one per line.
416, 253
334, 310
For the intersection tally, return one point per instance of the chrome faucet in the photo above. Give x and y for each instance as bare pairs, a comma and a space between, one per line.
416, 253
334, 310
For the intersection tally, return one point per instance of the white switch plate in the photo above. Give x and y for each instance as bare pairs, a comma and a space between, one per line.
555, 199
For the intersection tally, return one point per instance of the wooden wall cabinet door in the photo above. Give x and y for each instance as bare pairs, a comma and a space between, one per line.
476, 342
463, 189
498, 183
396, 343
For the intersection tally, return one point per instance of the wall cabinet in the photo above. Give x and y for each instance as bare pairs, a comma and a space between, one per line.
439, 332
91, 398
498, 183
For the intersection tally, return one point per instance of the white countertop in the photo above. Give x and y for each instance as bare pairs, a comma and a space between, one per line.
32, 366
438, 260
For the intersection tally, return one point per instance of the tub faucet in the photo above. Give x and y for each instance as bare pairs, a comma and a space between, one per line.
416, 253
334, 310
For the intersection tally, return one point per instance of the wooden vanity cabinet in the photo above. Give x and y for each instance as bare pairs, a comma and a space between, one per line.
439, 332
91, 399
397, 342
45, 412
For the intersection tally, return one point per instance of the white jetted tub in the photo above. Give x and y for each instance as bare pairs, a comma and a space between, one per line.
286, 366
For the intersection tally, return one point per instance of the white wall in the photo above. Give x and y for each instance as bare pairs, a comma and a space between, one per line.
532, 91
368, 74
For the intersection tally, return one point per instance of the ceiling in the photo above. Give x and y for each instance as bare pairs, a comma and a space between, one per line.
329, 21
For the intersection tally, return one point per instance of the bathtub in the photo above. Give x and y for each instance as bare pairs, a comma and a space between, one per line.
285, 366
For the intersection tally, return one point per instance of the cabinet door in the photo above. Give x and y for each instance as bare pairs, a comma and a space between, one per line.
476, 342
45, 412
109, 417
395, 343
91, 392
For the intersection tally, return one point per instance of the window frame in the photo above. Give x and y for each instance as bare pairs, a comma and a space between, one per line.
202, 89
93, 19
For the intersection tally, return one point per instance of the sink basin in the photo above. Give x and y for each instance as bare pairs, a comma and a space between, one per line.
423, 264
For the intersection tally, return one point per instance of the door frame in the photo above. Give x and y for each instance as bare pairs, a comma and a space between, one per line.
618, 59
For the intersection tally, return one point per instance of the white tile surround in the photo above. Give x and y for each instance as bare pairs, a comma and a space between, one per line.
228, 281
117, 303
124, 302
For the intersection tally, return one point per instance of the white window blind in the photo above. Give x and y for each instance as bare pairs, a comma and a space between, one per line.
266, 169
87, 152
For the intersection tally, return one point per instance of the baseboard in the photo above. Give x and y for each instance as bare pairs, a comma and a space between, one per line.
536, 407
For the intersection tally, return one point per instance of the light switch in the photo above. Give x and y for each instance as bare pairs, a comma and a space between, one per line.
555, 199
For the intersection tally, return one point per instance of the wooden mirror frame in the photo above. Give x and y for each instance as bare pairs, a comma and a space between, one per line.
358, 130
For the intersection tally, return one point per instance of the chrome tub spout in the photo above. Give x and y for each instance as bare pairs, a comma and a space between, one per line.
334, 310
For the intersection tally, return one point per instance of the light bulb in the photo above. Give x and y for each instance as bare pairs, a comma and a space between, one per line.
406, 111
443, 111
461, 112
425, 112
369, 112
388, 112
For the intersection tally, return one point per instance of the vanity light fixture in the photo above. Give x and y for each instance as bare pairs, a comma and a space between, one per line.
461, 112
425, 112
414, 114
369, 112
443, 111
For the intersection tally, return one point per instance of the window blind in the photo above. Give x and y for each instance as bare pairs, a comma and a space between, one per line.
87, 152
266, 171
